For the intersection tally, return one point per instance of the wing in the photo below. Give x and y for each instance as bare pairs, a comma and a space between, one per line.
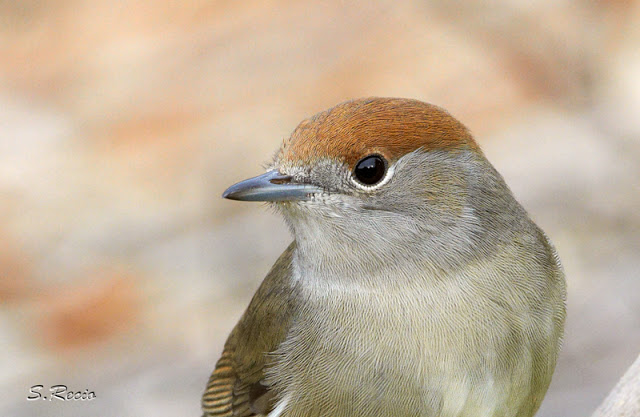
236, 387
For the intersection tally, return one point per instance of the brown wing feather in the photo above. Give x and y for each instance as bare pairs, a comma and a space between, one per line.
236, 386
217, 399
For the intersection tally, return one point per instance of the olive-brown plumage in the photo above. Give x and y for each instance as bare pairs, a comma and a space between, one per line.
235, 387
416, 285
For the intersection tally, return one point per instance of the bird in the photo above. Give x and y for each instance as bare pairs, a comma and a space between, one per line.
415, 284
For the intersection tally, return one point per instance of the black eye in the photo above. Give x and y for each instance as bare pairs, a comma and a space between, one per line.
370, 170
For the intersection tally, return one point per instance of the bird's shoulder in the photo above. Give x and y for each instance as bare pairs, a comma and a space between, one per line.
236, 387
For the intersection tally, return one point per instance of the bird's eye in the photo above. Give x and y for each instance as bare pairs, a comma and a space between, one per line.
370, 169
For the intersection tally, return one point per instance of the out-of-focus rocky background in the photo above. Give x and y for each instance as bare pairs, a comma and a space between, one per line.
121, 268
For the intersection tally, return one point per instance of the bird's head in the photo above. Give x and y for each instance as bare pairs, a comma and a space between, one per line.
380, 174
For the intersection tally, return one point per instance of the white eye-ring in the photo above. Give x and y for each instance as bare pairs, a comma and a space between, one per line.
372, 172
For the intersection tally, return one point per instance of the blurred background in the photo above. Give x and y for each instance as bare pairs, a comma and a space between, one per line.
121, 268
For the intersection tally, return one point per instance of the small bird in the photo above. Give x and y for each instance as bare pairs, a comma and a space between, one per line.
416, 285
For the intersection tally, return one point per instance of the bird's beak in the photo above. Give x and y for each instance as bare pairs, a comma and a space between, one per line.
271, 186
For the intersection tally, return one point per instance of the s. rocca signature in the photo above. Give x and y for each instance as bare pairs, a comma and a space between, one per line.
59, 392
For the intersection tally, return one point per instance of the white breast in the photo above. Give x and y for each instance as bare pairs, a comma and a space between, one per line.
407, 344
436, 352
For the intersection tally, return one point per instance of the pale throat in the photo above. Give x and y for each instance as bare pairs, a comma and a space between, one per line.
325, 263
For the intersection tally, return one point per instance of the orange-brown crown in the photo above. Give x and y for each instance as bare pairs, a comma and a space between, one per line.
391, 127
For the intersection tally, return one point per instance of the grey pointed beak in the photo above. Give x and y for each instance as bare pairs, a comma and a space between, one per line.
271, 186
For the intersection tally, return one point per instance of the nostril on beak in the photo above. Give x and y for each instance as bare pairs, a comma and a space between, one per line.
281, 179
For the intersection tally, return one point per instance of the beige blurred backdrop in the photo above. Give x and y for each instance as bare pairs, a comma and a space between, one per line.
122, 270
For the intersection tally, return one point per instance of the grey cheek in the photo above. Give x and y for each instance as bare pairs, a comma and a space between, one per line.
331, 175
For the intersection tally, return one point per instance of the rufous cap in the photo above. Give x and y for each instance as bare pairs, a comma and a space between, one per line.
391, 127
